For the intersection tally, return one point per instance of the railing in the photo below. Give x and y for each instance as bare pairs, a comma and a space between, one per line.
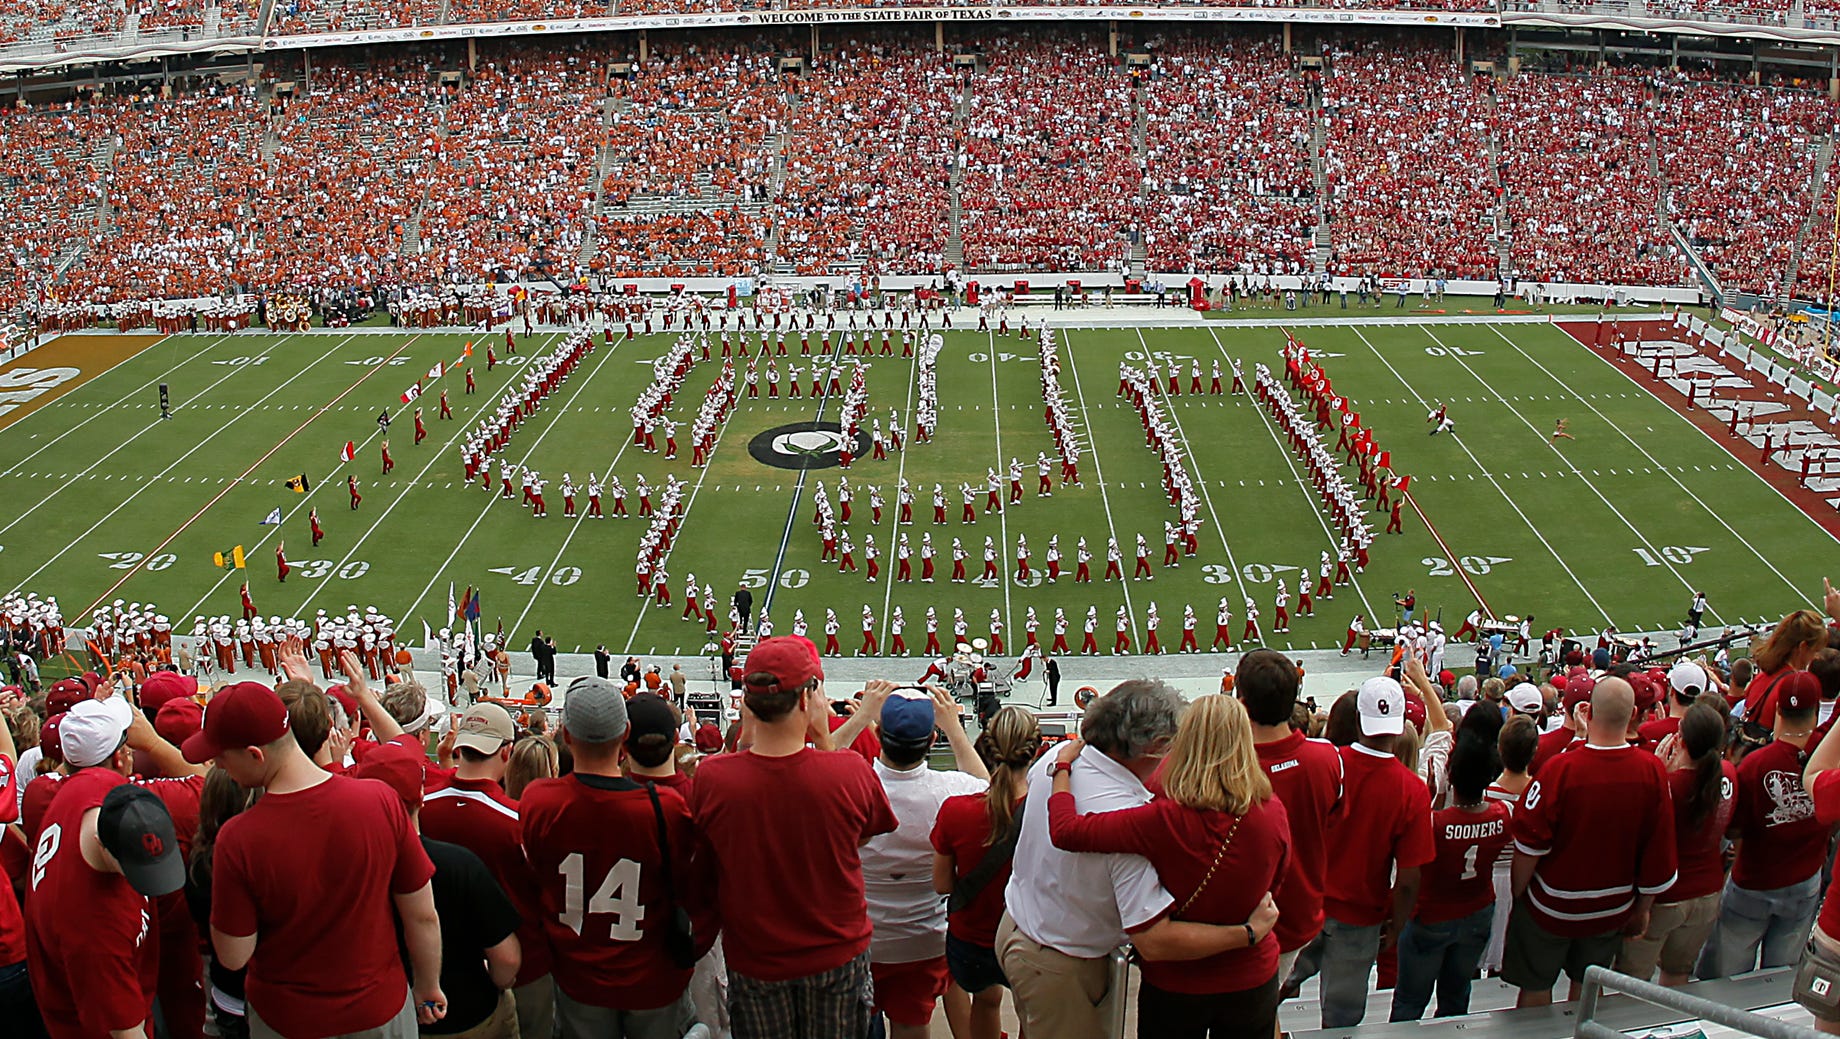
1599, 979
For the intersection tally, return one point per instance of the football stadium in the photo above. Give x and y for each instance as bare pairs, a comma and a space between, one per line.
862, 519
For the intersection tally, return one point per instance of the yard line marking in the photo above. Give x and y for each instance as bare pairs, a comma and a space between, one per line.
913, 379
580, 521
308, 500
1291, 464
1714, 513
798, 491
1563, 565
459, 432
112, 451
106, 408
1092, 444
170, 538
1200, 481
1592, 485
1003, 552
492, 497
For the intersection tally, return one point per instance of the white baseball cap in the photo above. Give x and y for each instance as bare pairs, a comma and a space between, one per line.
1383, 707
1687, 679
1526, 698
94, 729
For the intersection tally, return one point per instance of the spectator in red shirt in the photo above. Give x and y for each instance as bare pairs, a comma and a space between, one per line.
605, 883
1219, 841
1307, 777
974, 839
1789, 647
473, 811
1774, 889
1383, 839
1577, 690
18, 1011
1594, 846
1704, 787
1819, 975
1685, 681
314, 970
797, 941
92, 960
1441, 947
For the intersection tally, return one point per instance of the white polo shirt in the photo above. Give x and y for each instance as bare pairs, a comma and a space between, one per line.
1081, 904
909, 916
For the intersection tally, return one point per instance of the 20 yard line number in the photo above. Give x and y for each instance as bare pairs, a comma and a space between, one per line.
1475, 566
128, 560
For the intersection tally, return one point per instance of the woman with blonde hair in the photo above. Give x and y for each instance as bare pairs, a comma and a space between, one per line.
532, 758
1220, 842
974, 837
1791, 646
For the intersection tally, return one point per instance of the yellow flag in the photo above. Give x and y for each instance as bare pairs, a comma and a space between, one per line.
236, 554
217, 560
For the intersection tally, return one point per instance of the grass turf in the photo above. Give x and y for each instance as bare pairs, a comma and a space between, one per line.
1620, 525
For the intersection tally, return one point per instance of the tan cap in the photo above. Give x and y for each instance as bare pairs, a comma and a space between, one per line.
485, 727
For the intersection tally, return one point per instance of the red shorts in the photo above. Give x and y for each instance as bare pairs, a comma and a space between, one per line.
907, 992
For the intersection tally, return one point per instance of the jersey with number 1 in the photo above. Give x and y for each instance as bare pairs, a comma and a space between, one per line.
1461, 880
592, 842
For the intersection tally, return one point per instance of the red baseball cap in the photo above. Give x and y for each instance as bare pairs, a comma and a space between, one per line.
1648, 693
401, 768
708, 738
1578, 689
1415, 712
1798, 691
792, 660
67, 693
178, 720
162, 686
48, 738
247, 714
352, 714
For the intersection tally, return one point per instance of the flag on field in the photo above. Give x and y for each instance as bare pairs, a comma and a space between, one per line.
349, 452
273, 519
411, 393
1386, 459
471, 606
427, 636
468, 352
236, 556
298, 484
217, 560
452, 612
1403, 483
466, 603
435, 372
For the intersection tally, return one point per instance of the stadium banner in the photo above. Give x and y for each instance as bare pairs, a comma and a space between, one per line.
1488, 20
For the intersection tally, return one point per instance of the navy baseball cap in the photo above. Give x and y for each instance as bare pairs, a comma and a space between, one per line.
908, 719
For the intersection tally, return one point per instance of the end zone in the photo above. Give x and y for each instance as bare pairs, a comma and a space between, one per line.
44, 374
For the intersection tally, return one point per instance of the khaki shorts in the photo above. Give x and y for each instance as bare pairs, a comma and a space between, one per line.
1676, 933
1535, 957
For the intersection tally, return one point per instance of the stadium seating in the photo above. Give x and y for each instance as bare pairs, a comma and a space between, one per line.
1227, 179
1050, 178
1408, 163
1737, 160
52, 174
868, 162
1582, 184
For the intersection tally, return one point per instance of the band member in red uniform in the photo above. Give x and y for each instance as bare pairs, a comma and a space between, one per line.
313, 522
448, 412
249, 605
421, 431
388, 462
471, 387
281, 563
351, 486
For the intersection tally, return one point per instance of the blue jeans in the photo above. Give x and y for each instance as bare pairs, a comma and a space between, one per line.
1774, 923
1443, 955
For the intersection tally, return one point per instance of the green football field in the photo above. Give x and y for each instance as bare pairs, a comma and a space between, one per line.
101, 499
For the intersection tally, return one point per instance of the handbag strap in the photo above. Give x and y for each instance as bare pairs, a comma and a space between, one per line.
1225, 843
966, 891
664, 842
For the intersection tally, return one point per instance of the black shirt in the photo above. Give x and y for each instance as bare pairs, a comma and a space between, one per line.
475, 915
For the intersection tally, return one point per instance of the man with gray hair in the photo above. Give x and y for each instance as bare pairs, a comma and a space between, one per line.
1067, 911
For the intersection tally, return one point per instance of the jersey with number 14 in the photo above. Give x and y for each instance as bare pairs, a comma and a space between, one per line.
1461, 880
592, 842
